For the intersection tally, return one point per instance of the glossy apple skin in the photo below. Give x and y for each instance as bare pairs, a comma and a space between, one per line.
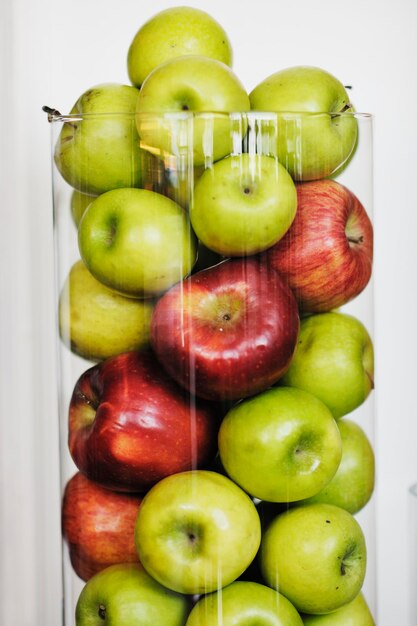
353, 484
98, 525
334, 361
130, 424
136, 242
125, 595
191, 83
96, 322
244, 603
101, 151
227, 332
355, 613
197, 531
175, 32
316, 128
279, 444
243, 204
326, 255
315, 555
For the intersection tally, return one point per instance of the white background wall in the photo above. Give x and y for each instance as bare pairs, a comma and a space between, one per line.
50, 53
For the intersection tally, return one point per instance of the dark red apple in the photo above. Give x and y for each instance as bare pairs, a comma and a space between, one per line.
227, 332
131, 425
326, 255
98, 526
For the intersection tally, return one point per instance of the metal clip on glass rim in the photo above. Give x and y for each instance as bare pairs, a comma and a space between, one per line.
55, 116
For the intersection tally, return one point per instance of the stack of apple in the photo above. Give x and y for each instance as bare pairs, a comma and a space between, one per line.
218, 475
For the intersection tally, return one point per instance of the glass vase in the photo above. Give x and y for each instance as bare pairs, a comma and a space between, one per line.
214, 329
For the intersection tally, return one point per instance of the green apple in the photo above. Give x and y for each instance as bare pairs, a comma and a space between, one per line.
197, 531
79, 203
124, 595
96, 322
355, 613
334, 360
280, 444
353, 484
184, 84
176, 32
243, 204
317, 128
136, 241
315, 556
242, 604
98, 149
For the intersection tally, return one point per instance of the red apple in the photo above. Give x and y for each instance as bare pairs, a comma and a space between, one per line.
227, 332
98, 526
326, 255
131, 425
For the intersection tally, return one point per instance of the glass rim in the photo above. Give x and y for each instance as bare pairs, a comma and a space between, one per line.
55, 116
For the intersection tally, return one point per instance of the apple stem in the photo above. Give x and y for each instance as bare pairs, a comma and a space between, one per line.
102, 611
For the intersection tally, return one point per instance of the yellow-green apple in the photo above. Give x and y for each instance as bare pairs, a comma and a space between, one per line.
244, 603
354, 613
228, 331
79, 203
191, 83
279, 444
174, 32
315, 556
98, 149
130, 424
317, 128
136, 241
326, 255
96, 322
334, 360
197, 531
353, 484
243, 204
124, 595
98, 525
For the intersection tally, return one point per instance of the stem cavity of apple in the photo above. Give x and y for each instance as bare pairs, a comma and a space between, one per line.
193, 536
91, 402
345, 560
111, 233
356, 240
102, 611
354, 237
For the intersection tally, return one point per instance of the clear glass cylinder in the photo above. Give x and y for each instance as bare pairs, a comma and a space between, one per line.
214, 322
